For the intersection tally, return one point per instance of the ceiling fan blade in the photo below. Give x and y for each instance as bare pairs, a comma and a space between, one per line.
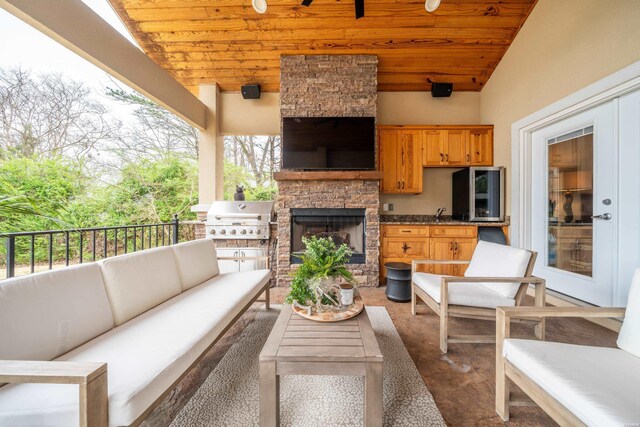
359, 8
306, 2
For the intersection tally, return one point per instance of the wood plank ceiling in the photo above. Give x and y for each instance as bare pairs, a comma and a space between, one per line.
226, 41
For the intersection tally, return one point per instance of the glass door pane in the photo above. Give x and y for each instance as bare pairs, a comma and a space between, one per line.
488, 193
570, 194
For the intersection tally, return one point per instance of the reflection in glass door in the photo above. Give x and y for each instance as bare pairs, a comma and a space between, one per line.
574, 211
570, 189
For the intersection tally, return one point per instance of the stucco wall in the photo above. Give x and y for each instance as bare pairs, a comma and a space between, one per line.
562, 47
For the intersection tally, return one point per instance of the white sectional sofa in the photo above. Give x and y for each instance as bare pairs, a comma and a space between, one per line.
576, 385
149, 316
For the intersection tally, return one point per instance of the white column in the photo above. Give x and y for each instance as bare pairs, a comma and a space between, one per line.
210, 148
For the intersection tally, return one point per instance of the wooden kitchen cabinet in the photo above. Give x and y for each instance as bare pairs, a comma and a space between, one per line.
451, 249
445, 147
439, 146
432, 143
397, 247
480, 152
404, 243
456, 142
401, 161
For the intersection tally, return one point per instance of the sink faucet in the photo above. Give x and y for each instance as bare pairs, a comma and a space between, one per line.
439, 213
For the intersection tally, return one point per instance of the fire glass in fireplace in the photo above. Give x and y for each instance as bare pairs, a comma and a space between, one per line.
341, 225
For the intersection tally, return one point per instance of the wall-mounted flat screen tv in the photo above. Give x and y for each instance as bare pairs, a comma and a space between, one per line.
343, 143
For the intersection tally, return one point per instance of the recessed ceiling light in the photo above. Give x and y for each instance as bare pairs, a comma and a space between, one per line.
431, 5
260, 6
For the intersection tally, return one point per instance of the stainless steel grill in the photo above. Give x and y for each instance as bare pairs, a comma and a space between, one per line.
239, 220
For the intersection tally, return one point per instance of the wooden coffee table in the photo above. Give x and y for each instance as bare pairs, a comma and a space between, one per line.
298, 346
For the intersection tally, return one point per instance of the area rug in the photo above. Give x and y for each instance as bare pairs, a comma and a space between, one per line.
229, 397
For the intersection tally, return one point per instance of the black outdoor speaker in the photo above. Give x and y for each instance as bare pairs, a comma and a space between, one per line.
441, 90
251, 91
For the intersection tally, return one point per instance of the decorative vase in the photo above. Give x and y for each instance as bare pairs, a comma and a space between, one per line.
327, 292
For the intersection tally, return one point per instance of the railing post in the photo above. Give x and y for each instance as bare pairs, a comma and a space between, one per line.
10, 243
176, 224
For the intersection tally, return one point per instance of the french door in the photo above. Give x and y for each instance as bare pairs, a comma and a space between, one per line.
574, 206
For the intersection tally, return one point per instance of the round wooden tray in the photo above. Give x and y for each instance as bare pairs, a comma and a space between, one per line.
333, 316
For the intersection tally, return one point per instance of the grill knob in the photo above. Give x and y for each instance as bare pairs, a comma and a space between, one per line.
250, 231
233, 231
223, 231
243, 232
212, 231
258, 231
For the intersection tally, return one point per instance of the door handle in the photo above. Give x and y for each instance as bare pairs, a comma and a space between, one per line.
468, 158
398, 185
606, 216
403, 185
446, 157
441, 157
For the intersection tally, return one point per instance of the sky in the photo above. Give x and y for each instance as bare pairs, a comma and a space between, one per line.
22, 45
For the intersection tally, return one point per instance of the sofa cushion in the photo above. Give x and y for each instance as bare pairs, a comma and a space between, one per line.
598, 385
629, 338
494, 260
145, 356
139, 281
44, 315
197, 262
470, 294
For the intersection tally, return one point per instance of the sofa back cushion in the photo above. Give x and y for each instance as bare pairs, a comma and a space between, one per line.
629, 338
45, 315
197, 262
494, 260
140, 281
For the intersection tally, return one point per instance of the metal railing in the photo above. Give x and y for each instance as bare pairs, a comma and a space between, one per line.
97, 243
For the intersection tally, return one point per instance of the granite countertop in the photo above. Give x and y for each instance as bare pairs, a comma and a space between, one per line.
431, 220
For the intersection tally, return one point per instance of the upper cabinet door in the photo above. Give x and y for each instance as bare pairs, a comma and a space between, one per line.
480, 147
456, 145
389, 154
411, 153
433, 147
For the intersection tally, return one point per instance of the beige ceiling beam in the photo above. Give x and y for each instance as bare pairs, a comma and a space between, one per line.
74, 25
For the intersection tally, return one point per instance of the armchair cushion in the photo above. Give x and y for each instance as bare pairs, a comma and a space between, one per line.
493, 260
629, 338
45, 315
599, 385
197, 262
469, 294
140, 281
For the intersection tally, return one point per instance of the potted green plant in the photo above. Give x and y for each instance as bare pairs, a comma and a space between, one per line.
322, 262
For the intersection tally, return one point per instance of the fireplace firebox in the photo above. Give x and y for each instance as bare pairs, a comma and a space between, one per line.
344, 225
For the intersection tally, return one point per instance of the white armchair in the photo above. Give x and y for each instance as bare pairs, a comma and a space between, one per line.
497, 275
576, 385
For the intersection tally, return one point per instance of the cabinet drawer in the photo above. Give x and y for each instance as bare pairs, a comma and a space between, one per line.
453, 231
405, 230
396, 247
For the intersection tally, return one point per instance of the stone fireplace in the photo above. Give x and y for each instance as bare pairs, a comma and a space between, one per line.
341, 205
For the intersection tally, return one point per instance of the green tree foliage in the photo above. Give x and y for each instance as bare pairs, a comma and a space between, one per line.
151, 191
66, 163
52, 185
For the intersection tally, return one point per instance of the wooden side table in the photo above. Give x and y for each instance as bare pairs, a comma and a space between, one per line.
298, 346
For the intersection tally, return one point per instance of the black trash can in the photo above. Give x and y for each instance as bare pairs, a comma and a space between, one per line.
398, 281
